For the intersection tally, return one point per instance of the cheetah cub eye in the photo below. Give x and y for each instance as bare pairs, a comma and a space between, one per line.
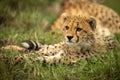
66, 27
78, 29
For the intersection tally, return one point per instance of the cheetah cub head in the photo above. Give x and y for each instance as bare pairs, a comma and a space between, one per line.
78, 30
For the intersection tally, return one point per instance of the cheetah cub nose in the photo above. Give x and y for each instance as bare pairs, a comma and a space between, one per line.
69, 37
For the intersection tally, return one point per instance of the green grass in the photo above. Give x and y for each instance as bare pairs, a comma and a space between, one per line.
94, 69
30, 23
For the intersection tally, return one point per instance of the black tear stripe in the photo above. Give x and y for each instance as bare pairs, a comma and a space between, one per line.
77, 37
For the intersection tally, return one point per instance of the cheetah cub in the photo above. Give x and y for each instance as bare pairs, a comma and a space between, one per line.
82, 39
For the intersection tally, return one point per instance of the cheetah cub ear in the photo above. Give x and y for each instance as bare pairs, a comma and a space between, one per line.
92, 23
64, 16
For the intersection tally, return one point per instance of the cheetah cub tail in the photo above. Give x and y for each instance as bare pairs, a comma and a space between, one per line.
31, 45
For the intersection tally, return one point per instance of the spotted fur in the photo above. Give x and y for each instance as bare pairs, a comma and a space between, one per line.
105, 17
84, 36
81, 41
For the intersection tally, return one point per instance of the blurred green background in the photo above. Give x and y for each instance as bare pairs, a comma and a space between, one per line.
30, 17
114, 4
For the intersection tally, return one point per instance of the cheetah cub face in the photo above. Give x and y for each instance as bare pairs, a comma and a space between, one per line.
78, 30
